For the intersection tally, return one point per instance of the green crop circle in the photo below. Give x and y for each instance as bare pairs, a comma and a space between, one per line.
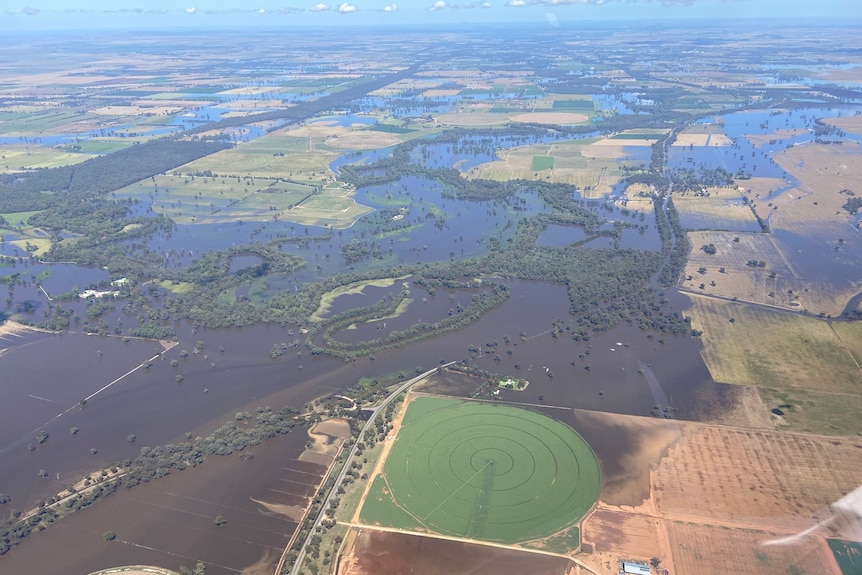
491, 472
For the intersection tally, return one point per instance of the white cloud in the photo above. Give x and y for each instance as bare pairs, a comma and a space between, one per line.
485, 5
391, 8
261, 11
26, 10
439, 5
516, 3
346, 8
191, 10
319, 8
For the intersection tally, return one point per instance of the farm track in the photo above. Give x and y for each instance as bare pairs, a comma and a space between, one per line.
297, 565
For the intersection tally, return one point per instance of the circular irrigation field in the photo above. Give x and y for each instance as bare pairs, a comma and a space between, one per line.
489, 472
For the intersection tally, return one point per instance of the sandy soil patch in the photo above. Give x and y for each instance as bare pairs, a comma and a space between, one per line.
849, 124
472, 119
11, 331
702, 140
326, 438
551, 118
12, 328
329, 297
293, 512
363, 140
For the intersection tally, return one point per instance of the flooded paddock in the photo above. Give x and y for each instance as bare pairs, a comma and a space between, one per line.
171, 522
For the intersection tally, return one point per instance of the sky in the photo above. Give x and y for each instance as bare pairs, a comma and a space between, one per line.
89, 14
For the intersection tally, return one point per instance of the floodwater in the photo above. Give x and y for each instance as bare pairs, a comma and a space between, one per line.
55, 278
149, 402
44, 377
170, 522
558, 236
173, 522
158, 409
743, 155
382, 553
819, 255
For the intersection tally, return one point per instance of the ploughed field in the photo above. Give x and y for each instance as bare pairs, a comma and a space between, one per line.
383, 553
722, 496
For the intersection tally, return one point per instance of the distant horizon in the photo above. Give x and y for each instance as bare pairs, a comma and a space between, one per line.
561, 25
56, 15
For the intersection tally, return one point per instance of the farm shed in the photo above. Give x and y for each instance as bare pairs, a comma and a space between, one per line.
635, 568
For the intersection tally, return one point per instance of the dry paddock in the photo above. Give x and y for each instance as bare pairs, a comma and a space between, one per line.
720, 497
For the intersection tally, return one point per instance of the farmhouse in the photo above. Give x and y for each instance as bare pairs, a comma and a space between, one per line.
512, 383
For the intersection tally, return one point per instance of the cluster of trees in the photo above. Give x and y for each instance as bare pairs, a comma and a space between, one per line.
154, 462
675, 244
493, 295
15, 529
383, 422
605, 286
694, 180
852, 205
313, 550
43, 189
308, 108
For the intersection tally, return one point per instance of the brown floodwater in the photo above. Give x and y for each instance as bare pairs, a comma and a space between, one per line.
382, 553
170, 522
158, 409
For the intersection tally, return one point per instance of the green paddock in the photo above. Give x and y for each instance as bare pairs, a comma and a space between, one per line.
483, 471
